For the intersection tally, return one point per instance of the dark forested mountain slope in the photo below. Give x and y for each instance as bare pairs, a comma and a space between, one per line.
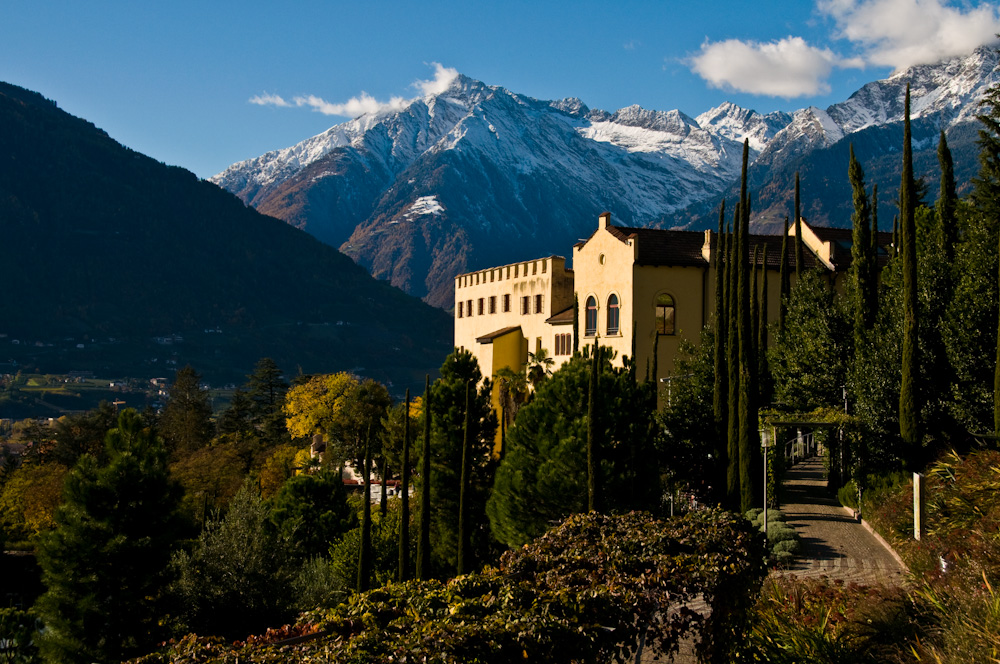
101, 243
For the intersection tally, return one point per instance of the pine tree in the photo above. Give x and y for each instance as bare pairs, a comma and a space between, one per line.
103, 565
798, 231
266, 388
909, 409
463, 505
424, 542
593, 446
186, 421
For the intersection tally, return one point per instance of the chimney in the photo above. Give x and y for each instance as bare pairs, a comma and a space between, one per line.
604, 221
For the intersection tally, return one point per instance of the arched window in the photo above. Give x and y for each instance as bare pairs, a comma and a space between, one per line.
590, 326
664, 314
612, 314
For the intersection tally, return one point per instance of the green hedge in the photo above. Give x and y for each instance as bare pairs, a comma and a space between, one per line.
585, 591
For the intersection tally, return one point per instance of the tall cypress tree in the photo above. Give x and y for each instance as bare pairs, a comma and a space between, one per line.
593, 449
873, 277
365, 553
424, 541
754, 299
947, 205
404, 497
785, 282
861, 256
463, 506
798, 231
909, 409
747, 361
720, 393
996, 374
732, 364
763, 372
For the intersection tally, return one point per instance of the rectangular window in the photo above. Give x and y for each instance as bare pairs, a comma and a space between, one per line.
538, 304
564, 344
460, 308
493, 304
468, 306
506, 302
525, 301
481, 305
545, 264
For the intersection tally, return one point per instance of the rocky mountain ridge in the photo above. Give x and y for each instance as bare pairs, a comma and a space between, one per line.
479, 175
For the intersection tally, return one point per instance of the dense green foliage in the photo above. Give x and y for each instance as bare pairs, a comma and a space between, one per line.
447, 404
586, 591
544, 475
312, 510
103, 564
237, 579
809, 360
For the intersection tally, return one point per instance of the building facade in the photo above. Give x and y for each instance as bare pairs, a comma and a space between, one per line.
634, 289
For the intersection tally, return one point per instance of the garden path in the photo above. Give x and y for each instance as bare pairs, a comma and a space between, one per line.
834, 544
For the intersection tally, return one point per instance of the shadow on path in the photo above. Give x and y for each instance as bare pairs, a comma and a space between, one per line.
833, 543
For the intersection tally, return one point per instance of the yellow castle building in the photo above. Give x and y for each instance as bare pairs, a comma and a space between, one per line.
633, 289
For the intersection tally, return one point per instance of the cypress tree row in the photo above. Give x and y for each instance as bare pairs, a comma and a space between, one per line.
861, 256
365, 554
785, 285
404, 497
593, 453
798, 231
424, 542
463, 506
909, 410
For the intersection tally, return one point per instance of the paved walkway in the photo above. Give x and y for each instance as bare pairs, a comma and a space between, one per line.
835, 545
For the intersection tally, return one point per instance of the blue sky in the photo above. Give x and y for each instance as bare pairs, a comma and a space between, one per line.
175, 80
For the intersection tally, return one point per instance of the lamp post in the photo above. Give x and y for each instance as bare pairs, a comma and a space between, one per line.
766, 442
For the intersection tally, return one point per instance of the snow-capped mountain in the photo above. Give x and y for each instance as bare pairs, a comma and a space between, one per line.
479, 175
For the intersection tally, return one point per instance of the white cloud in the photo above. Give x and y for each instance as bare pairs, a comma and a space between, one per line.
268, 100
364, 103
901, 33
443, 78
353, 107
785, 68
